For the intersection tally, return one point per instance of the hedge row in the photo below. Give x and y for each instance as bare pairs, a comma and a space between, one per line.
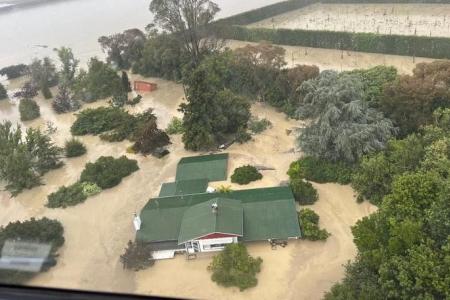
272, 10
422, 46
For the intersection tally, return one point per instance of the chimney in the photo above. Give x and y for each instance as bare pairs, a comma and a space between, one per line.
137, 222
215, 208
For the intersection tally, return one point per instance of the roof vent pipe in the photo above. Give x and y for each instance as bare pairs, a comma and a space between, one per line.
215, 208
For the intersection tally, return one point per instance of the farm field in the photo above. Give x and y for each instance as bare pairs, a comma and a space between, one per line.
400, 19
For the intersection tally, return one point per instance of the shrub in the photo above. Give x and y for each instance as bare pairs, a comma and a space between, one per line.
67, 196
14, 71
309, 224
74, 148
242, 136
29, 110
256, 125
235, 267
224, 189
107, 171
149, 139
135, 100
175, 126
304, 192
46, 92
90, 189
3, 93
245, 175
137, 256
43, 231
319, 170
99, 120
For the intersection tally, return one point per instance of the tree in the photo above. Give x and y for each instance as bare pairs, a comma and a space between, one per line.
43, 231
343, 127
137, 256
304, 192
23, 159
187, 19
69, 65
119, 98
43, 75
410, 100
3, 93
64, 101
149, 139
14, 71
29, 110
123, 49
28, 91
101, 81
212, 113
235, 267
126, 82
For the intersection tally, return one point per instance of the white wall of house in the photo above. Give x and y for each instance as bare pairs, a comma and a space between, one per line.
211, 245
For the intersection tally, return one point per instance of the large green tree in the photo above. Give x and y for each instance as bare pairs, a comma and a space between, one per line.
342, 126
69, 65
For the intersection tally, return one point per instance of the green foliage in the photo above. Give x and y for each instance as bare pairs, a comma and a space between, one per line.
372, 179
343, 127
126, 85
28, 91
137, 256
107, 171
101, 81
320, 170
224, 189
69, 65
403, 248
120, 98
135, 100
14, 71
257, 126
44, 231
102, 119
309, 224
29, 110
163, 57
242, 136
374, 80
304, 192
123, 49
43, 75
3, 93
410, 100
148, 138
90, 189
245, 175
421, 46
74, 148
67, 196
65, 101
175, 126
235, 267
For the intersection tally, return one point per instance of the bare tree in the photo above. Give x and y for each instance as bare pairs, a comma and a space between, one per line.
187, 18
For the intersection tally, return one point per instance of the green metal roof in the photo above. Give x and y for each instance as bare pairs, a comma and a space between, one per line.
200, 220
269, 213
184, 187
213, 167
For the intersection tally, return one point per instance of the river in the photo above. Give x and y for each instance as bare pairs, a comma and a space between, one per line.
35, 31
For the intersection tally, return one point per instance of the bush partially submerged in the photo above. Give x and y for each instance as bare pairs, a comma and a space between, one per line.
43, 231
321, 171
107, 171
304, 192
29, 110
256, 125
100, 120
3, 93
72, 195
235, 267
14, 71
245, 175
137, 256
175, 126
74, 148
309, 224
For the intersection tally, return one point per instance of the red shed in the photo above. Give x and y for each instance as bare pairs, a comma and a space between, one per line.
144, 86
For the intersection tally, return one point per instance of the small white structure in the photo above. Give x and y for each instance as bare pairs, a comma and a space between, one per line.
210, 189
137, 222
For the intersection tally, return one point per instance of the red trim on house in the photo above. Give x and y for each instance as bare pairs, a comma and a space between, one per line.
217, 235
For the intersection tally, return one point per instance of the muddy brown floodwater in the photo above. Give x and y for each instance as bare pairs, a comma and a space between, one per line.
98, 230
